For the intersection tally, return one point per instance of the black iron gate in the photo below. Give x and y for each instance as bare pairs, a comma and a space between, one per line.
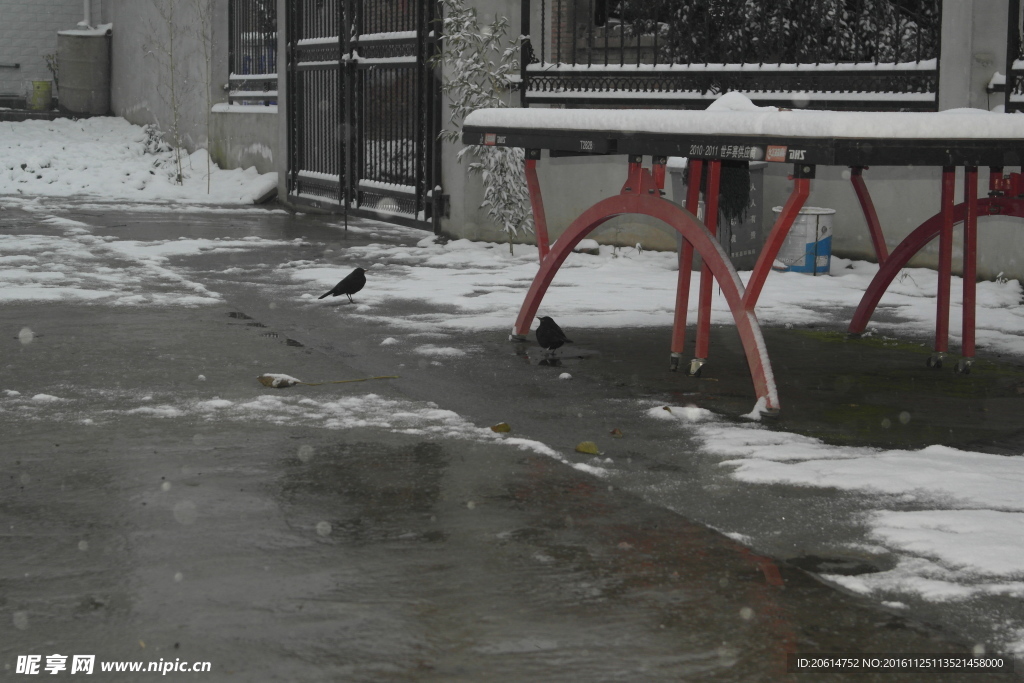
364, 108
1014, 85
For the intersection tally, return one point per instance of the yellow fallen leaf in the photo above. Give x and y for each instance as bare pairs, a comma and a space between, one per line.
501, 427
588, 447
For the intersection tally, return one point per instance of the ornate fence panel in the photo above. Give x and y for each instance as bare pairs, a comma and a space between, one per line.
364, 108
1014, 86
836, 54
252, 51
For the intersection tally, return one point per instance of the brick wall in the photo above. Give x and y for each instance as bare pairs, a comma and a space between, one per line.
28, 32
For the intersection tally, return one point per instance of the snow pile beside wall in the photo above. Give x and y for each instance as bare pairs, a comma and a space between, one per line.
112, 159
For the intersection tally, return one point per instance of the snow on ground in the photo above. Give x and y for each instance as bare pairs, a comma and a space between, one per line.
970, 539
80, 266
111, 158
626, 288
90, 406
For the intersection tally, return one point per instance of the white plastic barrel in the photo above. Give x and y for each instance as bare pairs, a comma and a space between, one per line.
808, 246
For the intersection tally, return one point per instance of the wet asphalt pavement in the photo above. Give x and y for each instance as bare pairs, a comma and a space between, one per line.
291, 551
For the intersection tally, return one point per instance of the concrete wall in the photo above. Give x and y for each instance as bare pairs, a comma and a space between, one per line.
569, 186
243, 138
28, 32
141, 79
904, 197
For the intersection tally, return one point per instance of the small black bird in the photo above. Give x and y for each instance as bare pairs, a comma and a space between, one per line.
351, 284
550, 335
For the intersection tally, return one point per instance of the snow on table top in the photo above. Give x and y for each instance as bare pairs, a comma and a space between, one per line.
734, 118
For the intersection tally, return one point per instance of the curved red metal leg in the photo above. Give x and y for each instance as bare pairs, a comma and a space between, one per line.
563, 246
540, 221
801, 188
913, 243
870, 215
706, 245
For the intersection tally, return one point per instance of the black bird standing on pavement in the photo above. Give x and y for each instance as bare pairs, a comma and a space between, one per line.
351, 284
550, 335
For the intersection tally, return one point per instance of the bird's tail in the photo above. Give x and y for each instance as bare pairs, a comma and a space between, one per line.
322, 296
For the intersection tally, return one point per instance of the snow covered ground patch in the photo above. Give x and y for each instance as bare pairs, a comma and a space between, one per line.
80, 266
110, 158
958, 526
485, 285
92, 407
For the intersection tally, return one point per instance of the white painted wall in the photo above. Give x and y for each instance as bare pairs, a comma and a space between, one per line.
904, 197
28, 32
141, 80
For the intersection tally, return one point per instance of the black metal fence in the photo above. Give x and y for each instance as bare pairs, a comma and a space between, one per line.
1014, 85
364, 108
252, 50
876, 54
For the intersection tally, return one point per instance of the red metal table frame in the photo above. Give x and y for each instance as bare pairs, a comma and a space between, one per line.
642, 194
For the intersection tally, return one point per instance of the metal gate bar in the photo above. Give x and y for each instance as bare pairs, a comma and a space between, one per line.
364, 109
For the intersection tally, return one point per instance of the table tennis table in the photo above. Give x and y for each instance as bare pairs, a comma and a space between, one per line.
801, 138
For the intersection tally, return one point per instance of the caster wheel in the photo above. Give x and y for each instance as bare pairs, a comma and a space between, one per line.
963, 367
934, 362
696, 365
695, 373
674, 363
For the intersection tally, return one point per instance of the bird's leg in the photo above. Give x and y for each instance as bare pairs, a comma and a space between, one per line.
350, 298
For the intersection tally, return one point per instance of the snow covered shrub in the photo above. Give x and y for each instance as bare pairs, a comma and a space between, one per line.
154, 142
481, 64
